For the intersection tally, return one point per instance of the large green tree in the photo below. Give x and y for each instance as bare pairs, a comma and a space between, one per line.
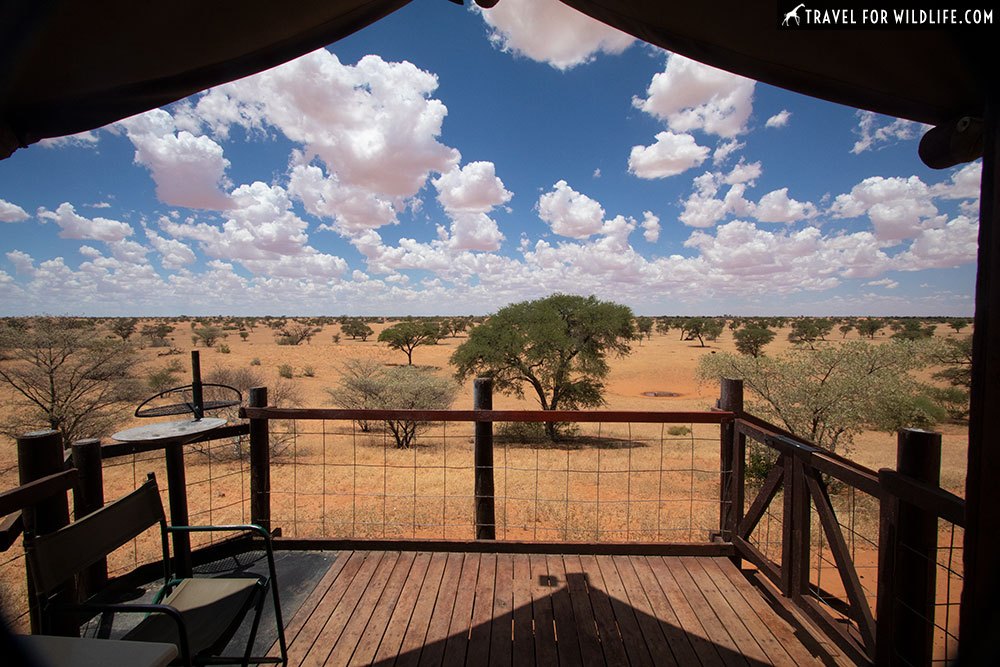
558, 346
830, 394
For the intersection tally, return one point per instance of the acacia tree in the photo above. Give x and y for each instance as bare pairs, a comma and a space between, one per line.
407, 336
124, 327
752, 339
557, 345
357, 329
645, 326
869, 327
829, 394
67, 379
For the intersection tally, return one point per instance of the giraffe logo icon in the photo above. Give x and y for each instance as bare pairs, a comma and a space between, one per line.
794, 14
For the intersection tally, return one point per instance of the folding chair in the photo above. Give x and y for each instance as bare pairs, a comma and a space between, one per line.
198, 615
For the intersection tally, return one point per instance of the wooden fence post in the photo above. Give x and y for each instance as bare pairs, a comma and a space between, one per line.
260, 463
795, 528
88, 496
482, 399
918, 455
732, 460
39, 454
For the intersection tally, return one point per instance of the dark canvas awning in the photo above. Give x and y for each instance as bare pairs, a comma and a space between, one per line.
71, 66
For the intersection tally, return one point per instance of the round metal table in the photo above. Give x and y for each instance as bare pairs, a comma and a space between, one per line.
180, 431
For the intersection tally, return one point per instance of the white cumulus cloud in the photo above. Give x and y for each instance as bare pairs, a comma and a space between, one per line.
777, 206
74, 226
551, 32
691, 96
570, 213
899, 208
11, 212
188, 170
672, 154
779, 119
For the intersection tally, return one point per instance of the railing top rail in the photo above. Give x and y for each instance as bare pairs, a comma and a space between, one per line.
844, 469
931, 499
606, 416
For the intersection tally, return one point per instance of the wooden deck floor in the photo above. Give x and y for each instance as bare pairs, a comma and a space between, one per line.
419, 608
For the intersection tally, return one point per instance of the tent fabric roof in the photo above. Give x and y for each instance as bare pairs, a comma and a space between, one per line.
68, 66
72, 65
929, 75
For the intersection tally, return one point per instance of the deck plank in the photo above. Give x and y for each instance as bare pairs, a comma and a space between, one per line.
311, 603
523, 651
313, 625
482, 612
364, 609
433, 650
461, 617
502, 626
334, 625
425, 577
541, 608
375, 627
713, 625
679, 641
745, 641
708, 653
776, 654
784, 634
567, 642
649, 624
583, 611
604, 616
518, 610
628, 625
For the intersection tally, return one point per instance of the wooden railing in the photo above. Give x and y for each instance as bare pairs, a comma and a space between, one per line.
895, 621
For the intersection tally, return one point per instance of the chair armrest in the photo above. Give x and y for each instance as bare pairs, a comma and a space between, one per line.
137, 608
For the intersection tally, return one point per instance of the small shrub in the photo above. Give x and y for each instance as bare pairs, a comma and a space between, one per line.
521, 432
285, 371
309, 372
678, 430
336, 339
255, 361
222, 348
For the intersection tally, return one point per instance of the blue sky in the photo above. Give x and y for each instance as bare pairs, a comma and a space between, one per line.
448, 160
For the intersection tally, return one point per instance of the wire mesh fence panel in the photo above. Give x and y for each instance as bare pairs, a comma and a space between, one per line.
949, 578
14, 588
857, 520
595, 482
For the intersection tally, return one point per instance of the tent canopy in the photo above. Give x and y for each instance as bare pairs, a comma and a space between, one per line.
69, 66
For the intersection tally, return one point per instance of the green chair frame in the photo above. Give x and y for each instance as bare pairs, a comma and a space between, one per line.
199, 615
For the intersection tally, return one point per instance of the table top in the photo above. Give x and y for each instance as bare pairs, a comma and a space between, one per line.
180, 430
89, 652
